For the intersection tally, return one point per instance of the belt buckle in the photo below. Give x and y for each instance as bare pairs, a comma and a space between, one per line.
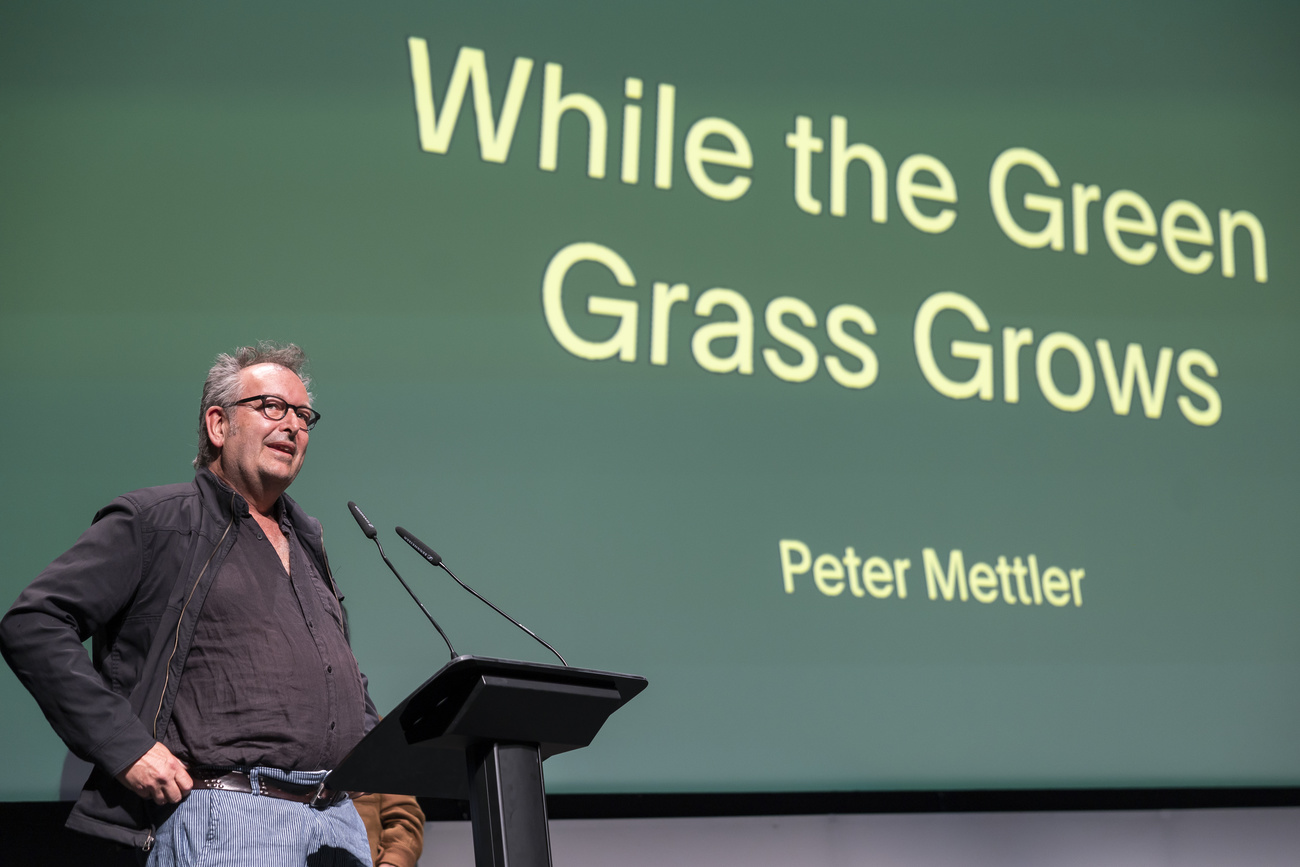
319, 801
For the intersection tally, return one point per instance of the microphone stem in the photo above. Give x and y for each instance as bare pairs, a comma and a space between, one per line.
502, 613
393, 569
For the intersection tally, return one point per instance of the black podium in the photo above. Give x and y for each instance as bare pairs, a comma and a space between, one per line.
478, 730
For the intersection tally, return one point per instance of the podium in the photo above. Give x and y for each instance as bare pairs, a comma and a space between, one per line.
479, 730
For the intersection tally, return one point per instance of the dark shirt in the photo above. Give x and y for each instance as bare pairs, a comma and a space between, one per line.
270, 679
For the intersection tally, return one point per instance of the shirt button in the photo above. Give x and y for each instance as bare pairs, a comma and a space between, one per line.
329, 669
331, 726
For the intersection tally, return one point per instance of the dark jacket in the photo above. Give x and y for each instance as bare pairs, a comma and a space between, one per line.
135, 583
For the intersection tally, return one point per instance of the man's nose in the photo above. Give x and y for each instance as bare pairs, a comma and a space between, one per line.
293, 424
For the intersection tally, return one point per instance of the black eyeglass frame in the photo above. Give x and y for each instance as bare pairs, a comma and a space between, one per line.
305, 414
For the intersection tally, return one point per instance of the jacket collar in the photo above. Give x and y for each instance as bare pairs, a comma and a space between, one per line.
217, 497
226, 504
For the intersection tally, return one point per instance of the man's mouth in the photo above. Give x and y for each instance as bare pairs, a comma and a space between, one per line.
284, 447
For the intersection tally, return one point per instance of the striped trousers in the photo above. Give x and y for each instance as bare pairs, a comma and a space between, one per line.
233, 829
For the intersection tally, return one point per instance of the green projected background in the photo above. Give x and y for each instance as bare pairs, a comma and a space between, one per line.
907, 390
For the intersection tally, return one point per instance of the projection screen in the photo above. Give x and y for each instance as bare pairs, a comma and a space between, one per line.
905, 390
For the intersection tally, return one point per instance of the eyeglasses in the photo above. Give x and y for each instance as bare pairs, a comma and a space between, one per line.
275, 408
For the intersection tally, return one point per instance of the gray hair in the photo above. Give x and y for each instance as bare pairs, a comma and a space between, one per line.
222, 386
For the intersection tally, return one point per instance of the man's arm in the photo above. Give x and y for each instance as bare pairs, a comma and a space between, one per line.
402, 840
395, 825
41, 638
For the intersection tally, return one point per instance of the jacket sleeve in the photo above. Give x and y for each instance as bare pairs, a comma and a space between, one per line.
395, 826
371, 714
41, 638
401, 838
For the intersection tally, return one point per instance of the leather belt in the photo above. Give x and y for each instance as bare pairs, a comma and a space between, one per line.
235, 780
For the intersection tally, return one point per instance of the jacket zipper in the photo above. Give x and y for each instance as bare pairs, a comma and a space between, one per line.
333, 586
181, 619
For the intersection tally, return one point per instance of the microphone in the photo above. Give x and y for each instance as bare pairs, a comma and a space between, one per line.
362, 521
432, 556
371, 533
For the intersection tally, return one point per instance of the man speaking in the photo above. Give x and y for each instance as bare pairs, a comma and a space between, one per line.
222, 687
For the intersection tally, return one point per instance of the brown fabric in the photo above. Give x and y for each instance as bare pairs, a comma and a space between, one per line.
395, 825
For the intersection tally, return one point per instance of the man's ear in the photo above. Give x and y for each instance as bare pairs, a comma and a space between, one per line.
217, 423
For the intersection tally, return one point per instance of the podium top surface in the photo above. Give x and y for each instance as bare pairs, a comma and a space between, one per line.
421, 747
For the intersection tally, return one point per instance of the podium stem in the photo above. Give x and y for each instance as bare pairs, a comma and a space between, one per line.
507, 807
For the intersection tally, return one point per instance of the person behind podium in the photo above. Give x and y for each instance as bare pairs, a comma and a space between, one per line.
395, 825
221, 687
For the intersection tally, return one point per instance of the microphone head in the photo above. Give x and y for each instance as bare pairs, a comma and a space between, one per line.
422, 549
362, 521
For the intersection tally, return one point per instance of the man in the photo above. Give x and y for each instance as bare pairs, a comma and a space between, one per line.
222, 686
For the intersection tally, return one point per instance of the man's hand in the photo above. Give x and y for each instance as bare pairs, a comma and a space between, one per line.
158, 776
